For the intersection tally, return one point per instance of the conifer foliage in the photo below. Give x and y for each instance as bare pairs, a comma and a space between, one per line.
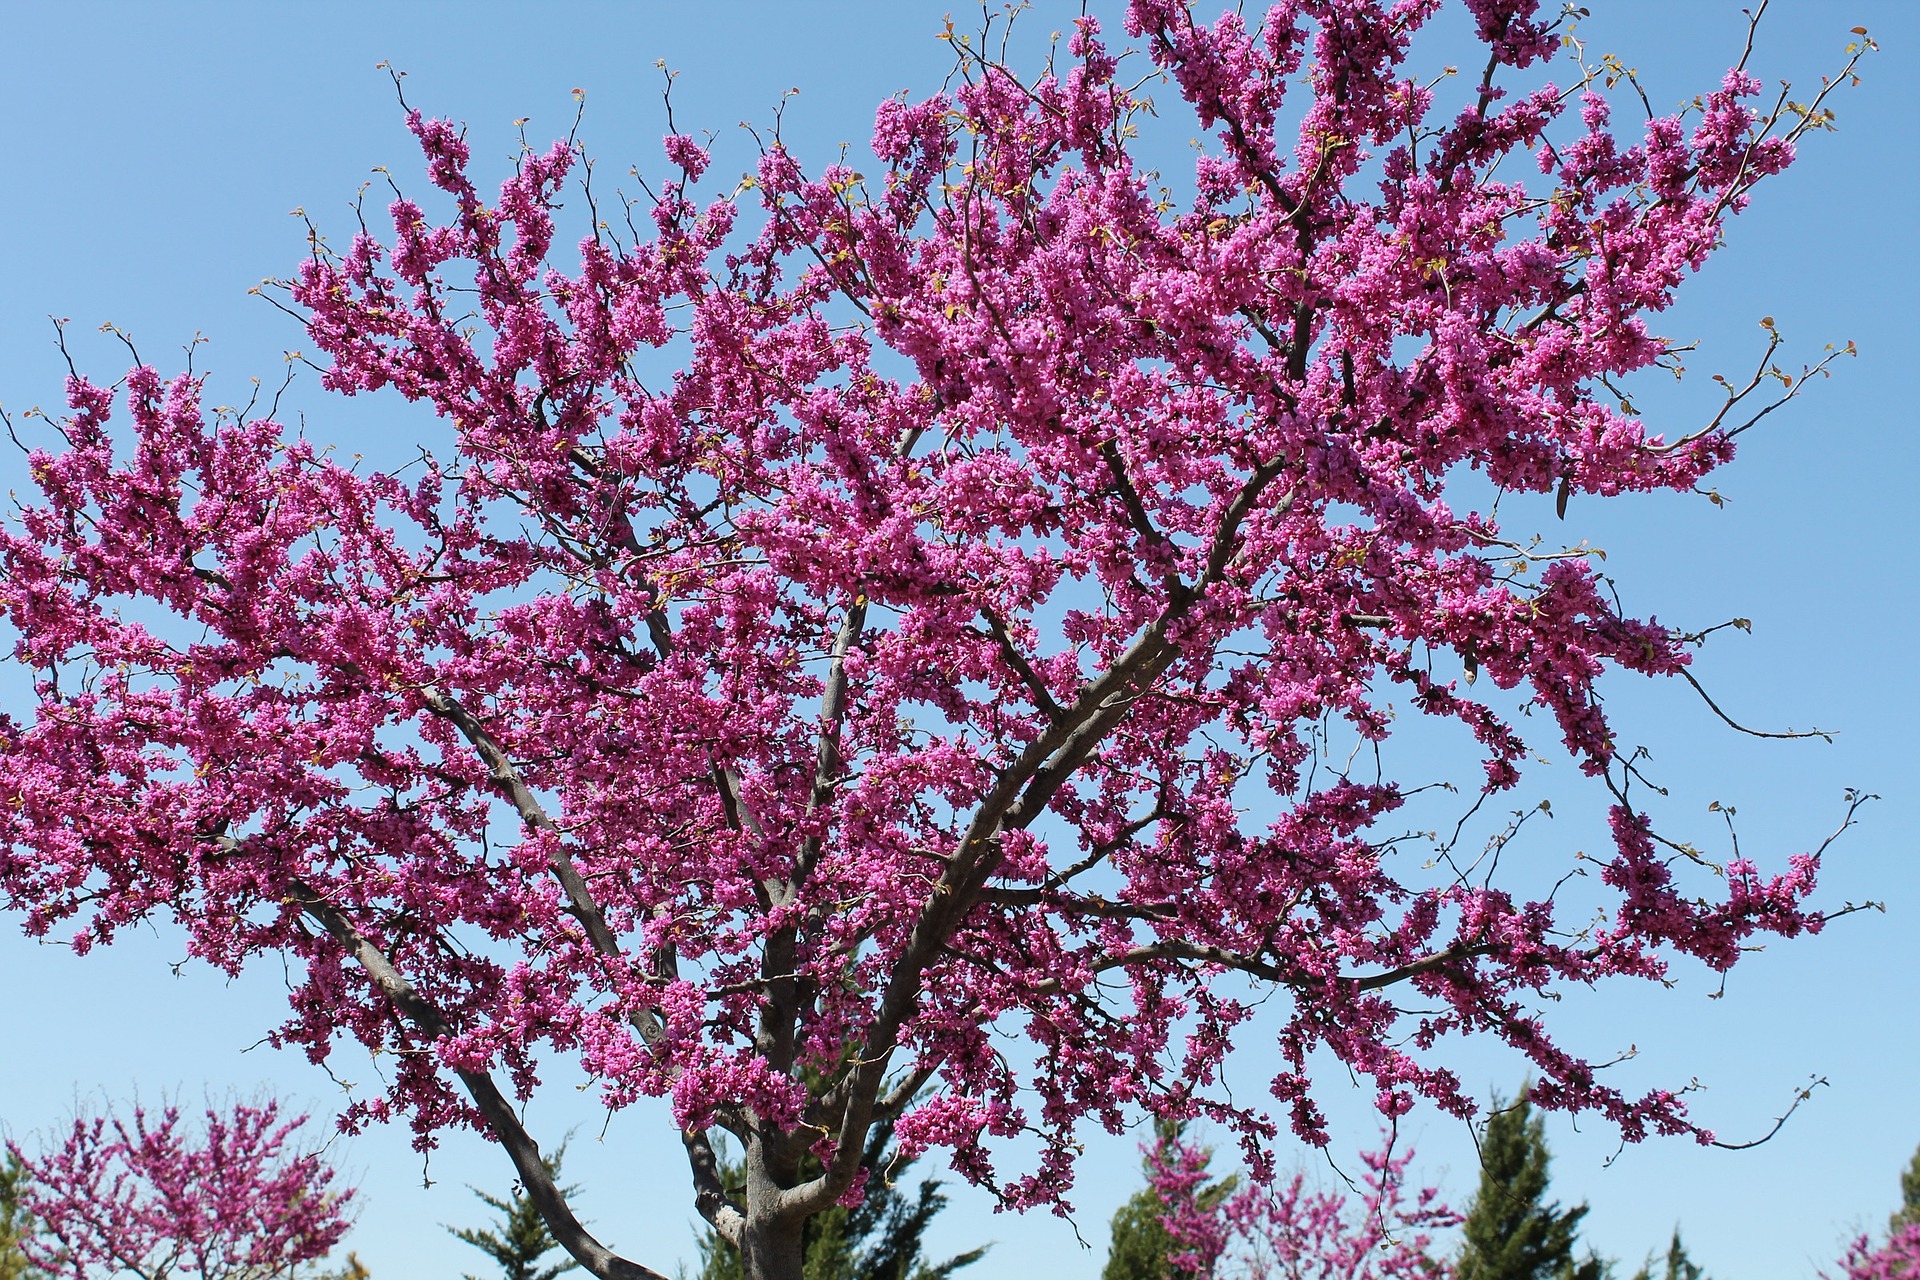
520, 1241
15, 1222
1908, 1214
351, 1268
1677, 1265
1512, 1231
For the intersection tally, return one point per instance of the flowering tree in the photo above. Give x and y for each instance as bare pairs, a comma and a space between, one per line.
847, 616
1141, 1247
1292, 1231
1895, 1258
1898, 1256
149, 1197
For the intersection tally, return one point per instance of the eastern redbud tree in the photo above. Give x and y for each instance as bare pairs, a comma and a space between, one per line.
848, 623
1291, 1230
152, 1196
1895, 1258
1898, 1256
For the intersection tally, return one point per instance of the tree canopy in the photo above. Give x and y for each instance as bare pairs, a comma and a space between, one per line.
844, 617
152, 1195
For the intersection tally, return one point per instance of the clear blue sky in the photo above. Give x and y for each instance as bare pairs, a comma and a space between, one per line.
156, 150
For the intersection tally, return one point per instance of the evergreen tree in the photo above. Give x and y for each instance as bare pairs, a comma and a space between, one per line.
1140, 1243
1909, 1211
1511, 1231
522, 1239
1679, 1265
15, 1224
881, 1238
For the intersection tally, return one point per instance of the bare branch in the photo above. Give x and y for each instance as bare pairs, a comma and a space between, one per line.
1800, 1095
1822, 734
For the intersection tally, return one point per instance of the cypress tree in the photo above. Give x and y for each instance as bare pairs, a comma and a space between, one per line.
15, 1224
1679, 1265
1511, 1231
522, 1238
1909, 1211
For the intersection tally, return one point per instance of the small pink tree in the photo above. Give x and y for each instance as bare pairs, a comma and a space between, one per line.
1290, 1230
154, 1198
1895, 1258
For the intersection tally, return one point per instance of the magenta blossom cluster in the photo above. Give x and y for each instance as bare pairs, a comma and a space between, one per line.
843, 620
1289, 1230
152, 1196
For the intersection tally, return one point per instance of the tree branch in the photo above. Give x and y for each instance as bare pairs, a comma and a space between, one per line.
709, 1195
1042, 698
568, 1231
1016, 799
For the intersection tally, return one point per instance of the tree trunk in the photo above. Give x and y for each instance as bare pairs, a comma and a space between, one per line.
773, 1249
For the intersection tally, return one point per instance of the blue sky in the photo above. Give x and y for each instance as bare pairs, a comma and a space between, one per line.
156, 152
